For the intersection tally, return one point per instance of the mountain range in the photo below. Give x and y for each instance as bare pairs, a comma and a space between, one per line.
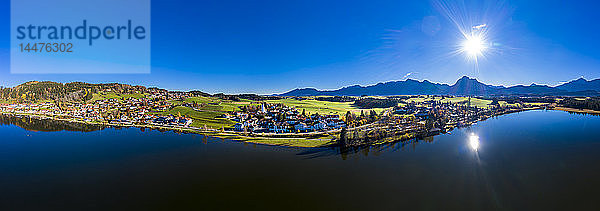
463, 86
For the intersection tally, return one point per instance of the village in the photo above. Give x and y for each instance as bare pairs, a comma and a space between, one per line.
262, 119
420, 120
278, 118
130, 111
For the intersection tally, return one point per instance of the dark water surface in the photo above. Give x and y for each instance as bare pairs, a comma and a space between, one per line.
529, 160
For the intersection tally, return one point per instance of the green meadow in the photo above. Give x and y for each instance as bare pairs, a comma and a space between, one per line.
312, 106
210, 119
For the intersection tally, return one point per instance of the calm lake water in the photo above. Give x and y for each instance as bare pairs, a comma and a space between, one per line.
529, 160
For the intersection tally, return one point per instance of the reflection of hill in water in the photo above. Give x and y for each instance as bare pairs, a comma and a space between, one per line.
47, 125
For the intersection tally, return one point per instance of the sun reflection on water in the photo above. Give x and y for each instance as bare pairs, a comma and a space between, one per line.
474, 141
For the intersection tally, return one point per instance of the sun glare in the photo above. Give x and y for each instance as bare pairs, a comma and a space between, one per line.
474, 142
473, 46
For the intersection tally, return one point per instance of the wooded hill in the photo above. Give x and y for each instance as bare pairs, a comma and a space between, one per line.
35, 91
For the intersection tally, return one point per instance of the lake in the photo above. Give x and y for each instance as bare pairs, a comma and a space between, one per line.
529, 160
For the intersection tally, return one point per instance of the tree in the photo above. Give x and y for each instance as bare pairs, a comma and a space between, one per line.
429, 123
372, 115
348, 117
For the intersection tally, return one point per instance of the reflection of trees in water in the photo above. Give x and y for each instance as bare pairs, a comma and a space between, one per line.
367, 150
51, 125
376, 150
47, 125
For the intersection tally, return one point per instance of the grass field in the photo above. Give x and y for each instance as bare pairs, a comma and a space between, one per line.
475, 102
210, 109
201, 118
215, 104
323, 107
315, 106
201, 100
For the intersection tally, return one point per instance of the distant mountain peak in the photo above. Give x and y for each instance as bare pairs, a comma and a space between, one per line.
463, 86
581, 84
465, 78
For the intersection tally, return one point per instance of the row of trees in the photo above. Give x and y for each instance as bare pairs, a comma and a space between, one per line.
368, 103
588, 103
516, 99
337, 99
353, 120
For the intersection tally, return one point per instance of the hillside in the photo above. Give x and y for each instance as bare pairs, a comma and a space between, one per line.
35, 91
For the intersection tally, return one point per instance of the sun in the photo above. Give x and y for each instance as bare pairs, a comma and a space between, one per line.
473, 46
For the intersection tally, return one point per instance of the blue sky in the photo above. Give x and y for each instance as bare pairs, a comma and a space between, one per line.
274, 46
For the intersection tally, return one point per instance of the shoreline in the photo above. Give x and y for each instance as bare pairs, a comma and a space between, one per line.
321, 140
283, 141
423, 134
581, 111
